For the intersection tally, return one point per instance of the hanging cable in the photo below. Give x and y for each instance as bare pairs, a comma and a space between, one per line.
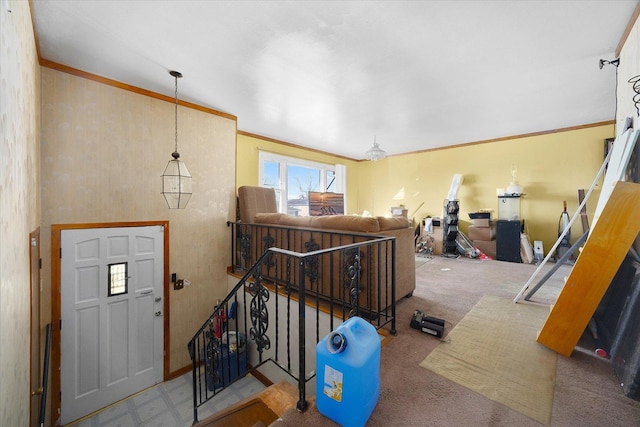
615, 63
635, 81
177, 75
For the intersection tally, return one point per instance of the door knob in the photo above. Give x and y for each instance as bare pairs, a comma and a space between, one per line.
158, 299
158, 313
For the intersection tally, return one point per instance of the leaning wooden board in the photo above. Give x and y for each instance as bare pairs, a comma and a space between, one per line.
608, 243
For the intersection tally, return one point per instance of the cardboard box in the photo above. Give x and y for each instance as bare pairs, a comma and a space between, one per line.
437, 236
481, 233
476, 215
482, 222
399, 211
487, 248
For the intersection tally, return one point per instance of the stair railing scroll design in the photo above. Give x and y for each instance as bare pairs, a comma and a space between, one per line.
353, 270
312, 263
212, 352
245, 245
259, 313
268, 242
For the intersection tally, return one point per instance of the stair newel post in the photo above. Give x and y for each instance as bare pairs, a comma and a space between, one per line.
302, 402
393, 287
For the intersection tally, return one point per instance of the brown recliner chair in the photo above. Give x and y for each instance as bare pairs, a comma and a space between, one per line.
254, 200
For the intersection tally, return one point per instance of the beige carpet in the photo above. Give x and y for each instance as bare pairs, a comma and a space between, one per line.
493, 351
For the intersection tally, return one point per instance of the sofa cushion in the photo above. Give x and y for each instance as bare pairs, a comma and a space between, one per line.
392, 223
296, 221
356, 224
267, 218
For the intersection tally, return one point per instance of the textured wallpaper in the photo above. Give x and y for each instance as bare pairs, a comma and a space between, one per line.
19, 161
629, 67
103, 151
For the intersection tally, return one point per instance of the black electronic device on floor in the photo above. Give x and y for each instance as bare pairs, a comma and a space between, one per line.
508, 240
427, 324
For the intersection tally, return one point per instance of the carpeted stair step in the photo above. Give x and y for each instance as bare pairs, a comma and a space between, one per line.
257, 411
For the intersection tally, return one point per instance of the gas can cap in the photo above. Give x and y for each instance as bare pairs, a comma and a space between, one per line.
336, 342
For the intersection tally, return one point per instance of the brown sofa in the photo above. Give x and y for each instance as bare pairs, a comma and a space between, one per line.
257, 207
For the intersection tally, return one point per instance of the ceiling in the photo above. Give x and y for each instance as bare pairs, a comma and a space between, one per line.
331, 75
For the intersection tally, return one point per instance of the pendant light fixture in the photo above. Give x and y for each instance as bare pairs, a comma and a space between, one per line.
376, 153
176, 179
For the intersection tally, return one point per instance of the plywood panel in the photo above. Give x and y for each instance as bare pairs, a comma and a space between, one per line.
618, 162
608, 243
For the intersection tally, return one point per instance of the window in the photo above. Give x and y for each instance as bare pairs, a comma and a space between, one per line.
118, 279
293, 178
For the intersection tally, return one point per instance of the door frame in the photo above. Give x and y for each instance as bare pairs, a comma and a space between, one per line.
35, 354
56, 316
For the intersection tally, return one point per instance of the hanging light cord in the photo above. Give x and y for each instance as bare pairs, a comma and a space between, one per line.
176, 75
176, 112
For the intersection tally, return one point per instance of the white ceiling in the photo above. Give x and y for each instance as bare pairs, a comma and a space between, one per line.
332, 75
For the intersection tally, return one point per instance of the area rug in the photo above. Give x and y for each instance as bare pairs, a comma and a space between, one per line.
422, 260
493, 351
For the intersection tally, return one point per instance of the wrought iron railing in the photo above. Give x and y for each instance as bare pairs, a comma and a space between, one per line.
329, 276
284, 304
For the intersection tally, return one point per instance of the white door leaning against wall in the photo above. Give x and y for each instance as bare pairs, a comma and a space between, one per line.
111, 304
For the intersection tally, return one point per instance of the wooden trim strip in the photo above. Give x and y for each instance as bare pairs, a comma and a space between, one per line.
114, 83
35, 32
89, 76
55, 324
627, 31
507, 138
290, 144
466, 144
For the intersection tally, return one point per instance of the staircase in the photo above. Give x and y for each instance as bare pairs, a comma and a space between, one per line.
261, 410
269, 325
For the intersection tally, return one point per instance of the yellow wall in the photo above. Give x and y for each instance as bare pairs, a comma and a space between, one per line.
551, 168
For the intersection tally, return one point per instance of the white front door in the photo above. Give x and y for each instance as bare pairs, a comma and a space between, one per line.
111, 307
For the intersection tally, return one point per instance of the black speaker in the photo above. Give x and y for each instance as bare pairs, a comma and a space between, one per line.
508, 240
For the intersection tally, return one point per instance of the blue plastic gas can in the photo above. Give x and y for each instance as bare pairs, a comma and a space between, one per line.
348, 373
